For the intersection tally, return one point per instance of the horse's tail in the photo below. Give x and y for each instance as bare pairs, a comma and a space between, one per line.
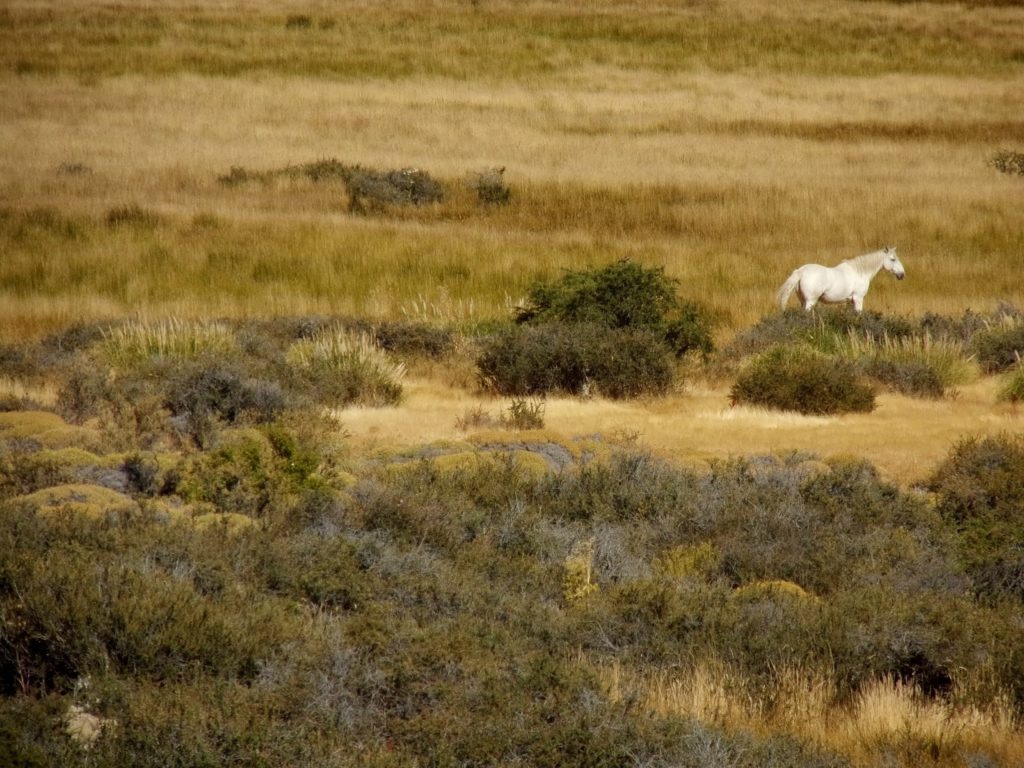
786, 289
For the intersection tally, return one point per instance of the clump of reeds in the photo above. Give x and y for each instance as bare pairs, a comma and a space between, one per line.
344, 367
137, 342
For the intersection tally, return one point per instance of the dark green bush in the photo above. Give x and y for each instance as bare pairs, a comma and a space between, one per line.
798, 378
575, 359
622, 295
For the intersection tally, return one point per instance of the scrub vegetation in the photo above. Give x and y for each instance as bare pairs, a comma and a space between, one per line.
349, 355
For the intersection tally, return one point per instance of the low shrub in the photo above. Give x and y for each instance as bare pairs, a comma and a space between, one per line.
909, 377
574, 359
408, 338
826, 329
298, 21
981, 478
1011, 389
209, 392
523, 413
490, 187
253, 472
368, 189
801, 379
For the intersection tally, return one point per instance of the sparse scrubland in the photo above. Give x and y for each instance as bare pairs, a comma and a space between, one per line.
400, 385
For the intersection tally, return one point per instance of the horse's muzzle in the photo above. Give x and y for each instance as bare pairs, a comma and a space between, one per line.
900, 276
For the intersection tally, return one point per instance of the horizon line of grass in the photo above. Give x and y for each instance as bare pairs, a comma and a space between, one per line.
536, 41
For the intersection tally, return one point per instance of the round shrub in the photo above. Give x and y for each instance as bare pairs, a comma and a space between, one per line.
575, 359
622, 295
798, 378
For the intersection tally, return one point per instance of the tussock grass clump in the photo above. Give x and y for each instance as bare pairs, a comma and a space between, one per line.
136, 343
799, 378
914, 365
343, 368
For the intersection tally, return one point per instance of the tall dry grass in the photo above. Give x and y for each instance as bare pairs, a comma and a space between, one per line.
887, 720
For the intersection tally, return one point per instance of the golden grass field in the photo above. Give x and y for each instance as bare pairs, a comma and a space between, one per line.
727, 145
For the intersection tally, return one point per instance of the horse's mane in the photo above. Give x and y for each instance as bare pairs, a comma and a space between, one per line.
867, 263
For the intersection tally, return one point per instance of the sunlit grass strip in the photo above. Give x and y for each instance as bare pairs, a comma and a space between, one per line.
347, 367
137, 342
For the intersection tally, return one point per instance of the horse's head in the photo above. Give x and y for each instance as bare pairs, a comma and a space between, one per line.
892, 263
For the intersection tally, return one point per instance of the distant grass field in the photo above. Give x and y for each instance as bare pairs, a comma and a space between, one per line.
727, 143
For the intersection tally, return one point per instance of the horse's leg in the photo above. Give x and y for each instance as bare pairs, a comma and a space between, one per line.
858, 302
805, 298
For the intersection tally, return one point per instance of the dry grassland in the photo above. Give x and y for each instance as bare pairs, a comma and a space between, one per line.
727, 142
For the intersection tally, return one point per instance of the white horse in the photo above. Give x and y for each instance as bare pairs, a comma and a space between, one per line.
847, 281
